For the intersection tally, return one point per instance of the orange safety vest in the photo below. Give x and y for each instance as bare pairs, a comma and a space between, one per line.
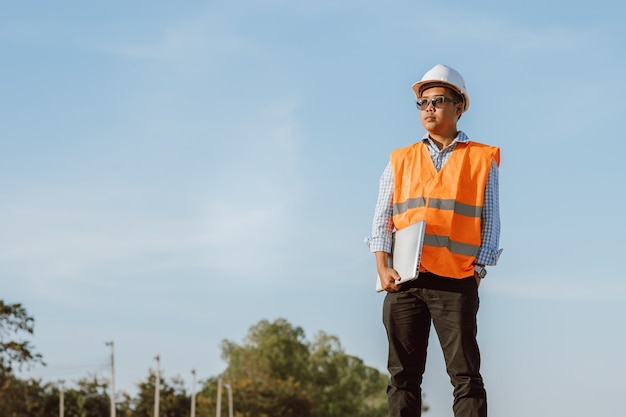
450, 201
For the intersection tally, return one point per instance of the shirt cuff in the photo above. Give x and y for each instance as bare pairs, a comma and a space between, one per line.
488, 256
378, 244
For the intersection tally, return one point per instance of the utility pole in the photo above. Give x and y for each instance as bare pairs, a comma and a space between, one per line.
230, 399
157, 388
61, 398
112, 378
219, 397
193, 393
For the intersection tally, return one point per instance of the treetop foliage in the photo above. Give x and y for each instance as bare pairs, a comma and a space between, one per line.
14, 321
277, 372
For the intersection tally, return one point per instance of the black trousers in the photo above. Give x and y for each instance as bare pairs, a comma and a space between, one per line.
451, 306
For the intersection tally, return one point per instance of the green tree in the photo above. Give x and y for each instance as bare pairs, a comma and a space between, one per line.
206, 398
32, 398
14, 321
124, 405
268, 373
343, 384
276, 372
19, 398
73, 403
173, 399
95, 400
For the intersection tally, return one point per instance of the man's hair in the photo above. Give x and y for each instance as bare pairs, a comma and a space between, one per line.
456, 96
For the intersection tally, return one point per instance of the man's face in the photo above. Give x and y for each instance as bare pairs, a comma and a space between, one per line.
443, 119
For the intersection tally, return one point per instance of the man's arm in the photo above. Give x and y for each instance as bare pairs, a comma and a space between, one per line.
489, 251
382, 228
382, 224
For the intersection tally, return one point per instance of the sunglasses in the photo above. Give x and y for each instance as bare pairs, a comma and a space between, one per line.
437, 102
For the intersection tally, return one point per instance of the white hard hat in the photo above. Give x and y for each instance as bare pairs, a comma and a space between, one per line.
443, 76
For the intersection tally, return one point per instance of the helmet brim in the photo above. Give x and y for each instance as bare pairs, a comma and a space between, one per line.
420, 86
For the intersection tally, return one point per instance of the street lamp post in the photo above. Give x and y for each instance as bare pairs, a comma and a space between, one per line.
218, 412
112, 378
157, 388
61, 398
230, 399
193, 393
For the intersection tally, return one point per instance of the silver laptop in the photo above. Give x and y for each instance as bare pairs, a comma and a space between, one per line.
406, 251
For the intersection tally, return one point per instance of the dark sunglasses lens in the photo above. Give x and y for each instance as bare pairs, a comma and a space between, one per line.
422, 103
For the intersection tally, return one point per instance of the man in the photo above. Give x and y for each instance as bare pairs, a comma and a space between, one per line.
451, 183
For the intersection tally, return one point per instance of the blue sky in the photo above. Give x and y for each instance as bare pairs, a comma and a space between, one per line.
173, 172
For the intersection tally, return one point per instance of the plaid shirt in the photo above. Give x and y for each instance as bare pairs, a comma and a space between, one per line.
382, 226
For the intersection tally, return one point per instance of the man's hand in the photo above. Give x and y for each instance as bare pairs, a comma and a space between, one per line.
388, 276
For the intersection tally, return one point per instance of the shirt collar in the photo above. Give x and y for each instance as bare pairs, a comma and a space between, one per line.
460, 137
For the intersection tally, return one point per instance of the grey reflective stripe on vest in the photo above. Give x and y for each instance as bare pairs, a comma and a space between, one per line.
454, 247
438, 203
400, 208
459, 208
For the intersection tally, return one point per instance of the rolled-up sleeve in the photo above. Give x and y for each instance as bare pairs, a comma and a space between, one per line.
382, 225
489, 251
